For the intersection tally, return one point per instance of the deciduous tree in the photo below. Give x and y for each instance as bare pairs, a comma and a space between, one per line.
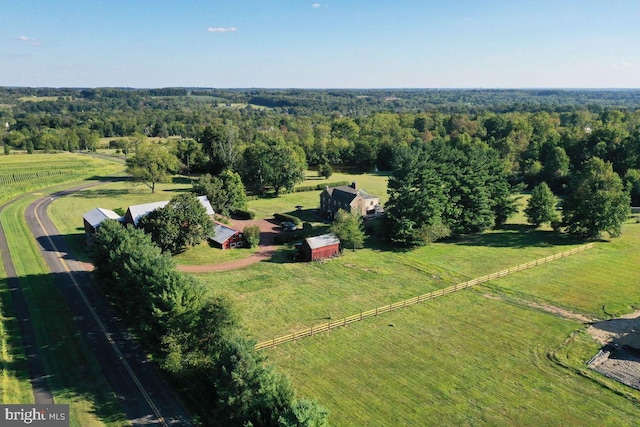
541, 207
182, 223
596, 202
348, 229
151, 164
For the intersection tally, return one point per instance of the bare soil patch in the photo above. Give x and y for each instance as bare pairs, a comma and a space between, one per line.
619, 358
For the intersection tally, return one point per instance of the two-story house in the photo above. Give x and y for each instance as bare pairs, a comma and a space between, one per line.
348, 198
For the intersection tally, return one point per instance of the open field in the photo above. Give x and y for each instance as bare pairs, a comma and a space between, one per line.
74, 375
23, 173
463, 360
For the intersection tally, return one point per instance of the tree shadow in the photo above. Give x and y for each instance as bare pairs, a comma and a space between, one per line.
66, 343
514, 236
101, 193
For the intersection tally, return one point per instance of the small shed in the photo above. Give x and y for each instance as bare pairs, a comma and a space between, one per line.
94, 218
226, 237
319, 247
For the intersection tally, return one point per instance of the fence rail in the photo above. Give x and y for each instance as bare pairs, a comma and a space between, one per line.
325, 327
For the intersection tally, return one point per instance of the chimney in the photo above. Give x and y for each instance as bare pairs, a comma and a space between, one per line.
353, 185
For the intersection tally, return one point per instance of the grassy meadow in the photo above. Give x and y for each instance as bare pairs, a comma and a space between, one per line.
478, 357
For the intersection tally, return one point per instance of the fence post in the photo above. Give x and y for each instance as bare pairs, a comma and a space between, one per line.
360, 314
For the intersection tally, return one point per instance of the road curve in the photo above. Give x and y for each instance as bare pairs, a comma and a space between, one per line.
145, 398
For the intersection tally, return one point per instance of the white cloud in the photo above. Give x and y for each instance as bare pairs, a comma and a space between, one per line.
30, 40
222, 29
316, 5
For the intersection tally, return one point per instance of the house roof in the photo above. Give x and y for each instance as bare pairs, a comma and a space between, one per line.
322, 241
222, 233
139, 211
95, 216
346, 194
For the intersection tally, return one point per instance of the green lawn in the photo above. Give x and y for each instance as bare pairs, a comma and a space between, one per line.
375, 184
73, 373
461, 360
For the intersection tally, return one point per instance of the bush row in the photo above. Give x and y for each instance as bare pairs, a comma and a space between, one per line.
281, 217
303, 188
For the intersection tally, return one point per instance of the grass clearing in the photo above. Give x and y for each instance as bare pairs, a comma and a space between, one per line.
461, 360
74, 375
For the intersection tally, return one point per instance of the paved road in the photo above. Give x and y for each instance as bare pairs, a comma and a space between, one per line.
145, 398
39, 384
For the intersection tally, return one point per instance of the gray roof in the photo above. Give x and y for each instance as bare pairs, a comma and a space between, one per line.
322, 241
95, 216
346, 194
139, 211
222, 233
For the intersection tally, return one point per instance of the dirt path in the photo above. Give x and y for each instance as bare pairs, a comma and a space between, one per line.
266, 249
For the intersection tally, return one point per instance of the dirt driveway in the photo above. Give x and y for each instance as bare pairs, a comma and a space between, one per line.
266, 249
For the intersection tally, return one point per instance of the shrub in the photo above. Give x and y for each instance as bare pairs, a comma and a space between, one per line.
319, 187
252, 235
286, 218
284, 238
242, 214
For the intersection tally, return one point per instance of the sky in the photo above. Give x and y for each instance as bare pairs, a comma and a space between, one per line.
320, 44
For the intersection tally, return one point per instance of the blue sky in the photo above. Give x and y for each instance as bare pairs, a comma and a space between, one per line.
321, 44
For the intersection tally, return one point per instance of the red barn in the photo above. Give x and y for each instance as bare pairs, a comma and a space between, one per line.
226, 237
319, 247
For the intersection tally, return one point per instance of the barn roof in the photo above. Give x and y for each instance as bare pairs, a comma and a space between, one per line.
322, 241
222, 233
139, 211
95, 216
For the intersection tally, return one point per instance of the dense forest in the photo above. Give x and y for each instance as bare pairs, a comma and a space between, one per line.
270, 136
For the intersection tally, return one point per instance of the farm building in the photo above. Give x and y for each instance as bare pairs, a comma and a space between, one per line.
95, 217
317, 248
348, 198
226, 237
136, 212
